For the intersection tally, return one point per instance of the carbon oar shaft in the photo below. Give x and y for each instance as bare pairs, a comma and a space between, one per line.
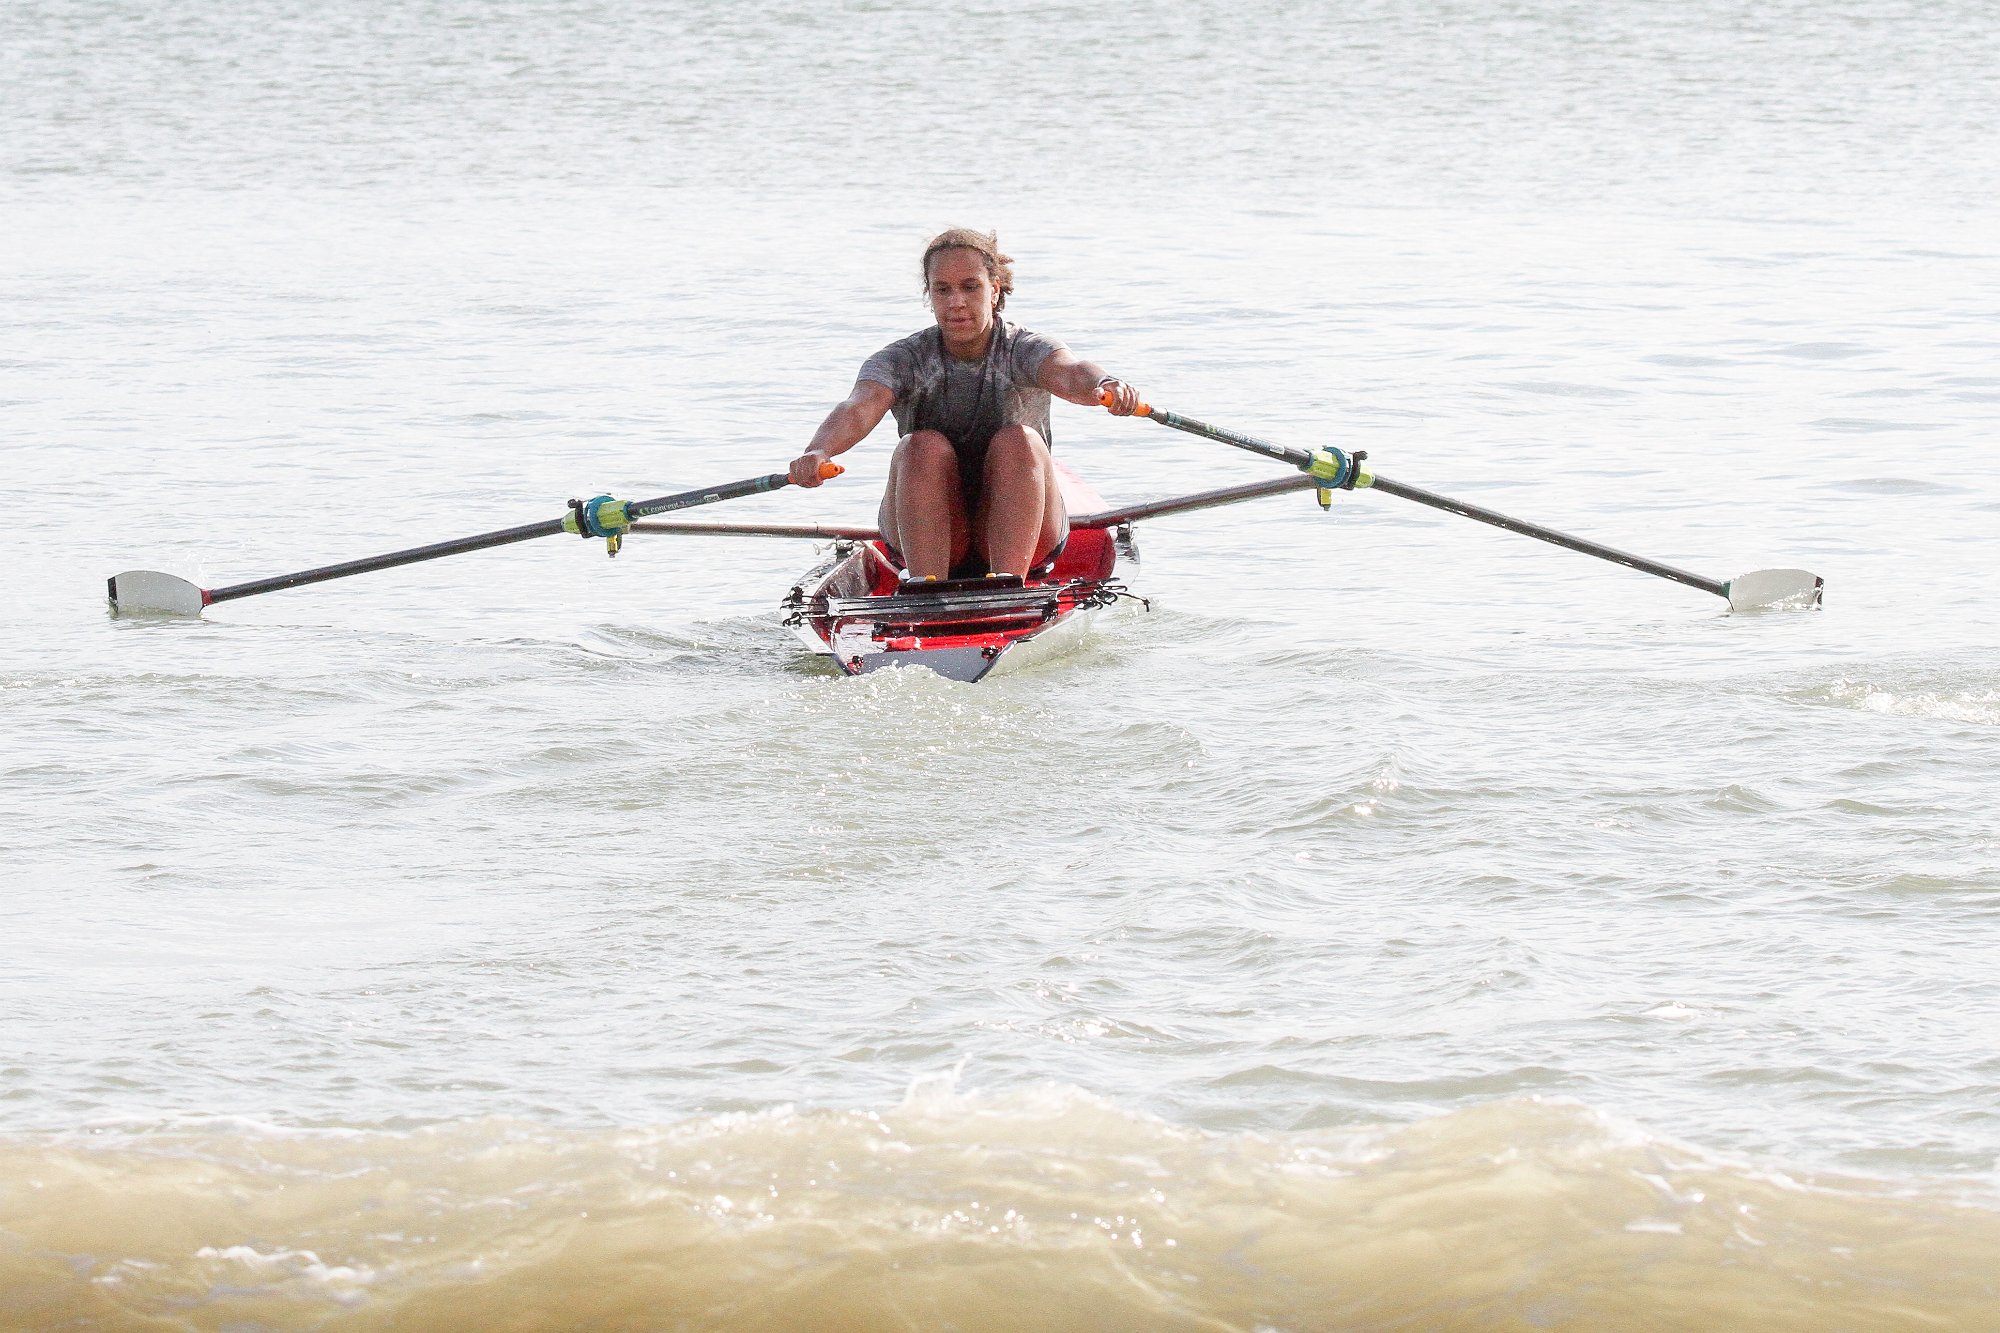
368, 564
1536, 530
179, 591
1298, 458
506, 536
734, 490
1806, 584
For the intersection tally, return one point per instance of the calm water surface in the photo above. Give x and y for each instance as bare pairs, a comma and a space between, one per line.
1404, 924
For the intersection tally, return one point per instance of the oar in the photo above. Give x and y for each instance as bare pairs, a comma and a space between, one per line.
1333, 469
149, 591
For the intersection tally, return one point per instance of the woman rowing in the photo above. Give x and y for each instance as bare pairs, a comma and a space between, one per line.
972, 488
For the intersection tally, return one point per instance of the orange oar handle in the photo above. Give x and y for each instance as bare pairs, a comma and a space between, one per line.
829, 470
1106, 398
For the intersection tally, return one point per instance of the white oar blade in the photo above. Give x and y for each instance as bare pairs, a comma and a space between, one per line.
147, 592
1774, 590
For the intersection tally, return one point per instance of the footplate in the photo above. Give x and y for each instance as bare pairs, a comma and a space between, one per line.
954, 606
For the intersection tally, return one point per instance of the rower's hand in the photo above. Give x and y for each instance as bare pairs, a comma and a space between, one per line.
811, 469
1118, 398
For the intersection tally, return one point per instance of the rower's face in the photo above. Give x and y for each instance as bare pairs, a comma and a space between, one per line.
962, 293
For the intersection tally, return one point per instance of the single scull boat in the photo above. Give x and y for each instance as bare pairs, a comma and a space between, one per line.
855, 608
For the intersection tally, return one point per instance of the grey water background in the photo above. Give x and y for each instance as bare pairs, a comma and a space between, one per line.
1376, 817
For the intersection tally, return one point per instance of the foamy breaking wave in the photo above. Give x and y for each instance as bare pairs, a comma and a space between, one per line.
1052, 1210
1979, 707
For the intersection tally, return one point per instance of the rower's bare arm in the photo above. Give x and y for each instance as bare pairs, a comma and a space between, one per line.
1086, 383
846, 426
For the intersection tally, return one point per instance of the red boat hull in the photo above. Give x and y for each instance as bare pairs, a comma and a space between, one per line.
852, 607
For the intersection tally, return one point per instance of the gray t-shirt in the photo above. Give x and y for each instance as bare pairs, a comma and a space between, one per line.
966, 400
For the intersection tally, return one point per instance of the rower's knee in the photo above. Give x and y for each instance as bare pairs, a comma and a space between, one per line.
926, 454
1014, 448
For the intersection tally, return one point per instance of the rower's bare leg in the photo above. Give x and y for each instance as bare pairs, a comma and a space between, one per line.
1022, 505
923, 508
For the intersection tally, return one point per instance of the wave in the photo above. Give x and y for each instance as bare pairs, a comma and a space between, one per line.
1039, 1210
1940, 701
